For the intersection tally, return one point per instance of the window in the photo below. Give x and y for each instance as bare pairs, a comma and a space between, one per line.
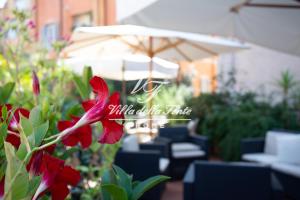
205, 84
82, 20
49, 34
23, 4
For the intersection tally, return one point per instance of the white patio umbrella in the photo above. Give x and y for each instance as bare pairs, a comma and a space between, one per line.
270, 23
122, 39
124, 68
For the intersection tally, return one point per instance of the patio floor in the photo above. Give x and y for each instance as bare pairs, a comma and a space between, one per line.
174, 191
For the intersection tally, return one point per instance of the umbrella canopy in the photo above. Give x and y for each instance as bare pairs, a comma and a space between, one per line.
125, 39
130, 67
271, 23
171, 45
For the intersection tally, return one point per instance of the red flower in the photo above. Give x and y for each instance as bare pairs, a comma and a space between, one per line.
2, 188
105, 109
56, 177
81, 135
35, 164
35, 84
13, 133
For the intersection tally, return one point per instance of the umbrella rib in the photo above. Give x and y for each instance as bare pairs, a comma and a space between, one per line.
141, 44
92, 39
168, 46
201, 48
186, 57
135, 47
69, 48
248, 3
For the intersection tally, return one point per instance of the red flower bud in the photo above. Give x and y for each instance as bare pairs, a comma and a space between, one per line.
35, 84
2, 188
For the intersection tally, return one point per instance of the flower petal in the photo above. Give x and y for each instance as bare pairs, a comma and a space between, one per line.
50, 168
35, 163
94, 114
70, 176
81, 135
113, 108
13, 124
56, 178
59, 191
100, 88
13, 139
112, 132
88, 104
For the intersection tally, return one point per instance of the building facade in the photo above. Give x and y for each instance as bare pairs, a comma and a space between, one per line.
57, 19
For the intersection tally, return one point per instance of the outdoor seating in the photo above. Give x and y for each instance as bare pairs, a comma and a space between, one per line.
281, 151
263, 150
184, 148
227, 181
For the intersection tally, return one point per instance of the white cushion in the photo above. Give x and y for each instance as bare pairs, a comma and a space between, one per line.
184, 146
290, 169
131, 143
289, 149
163, 164
192, 126
271, 141
188, 154
260, 158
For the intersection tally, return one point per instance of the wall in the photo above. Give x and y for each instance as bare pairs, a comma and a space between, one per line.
201, 74
258, 68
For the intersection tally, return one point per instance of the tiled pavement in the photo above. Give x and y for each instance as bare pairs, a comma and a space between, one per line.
173, 191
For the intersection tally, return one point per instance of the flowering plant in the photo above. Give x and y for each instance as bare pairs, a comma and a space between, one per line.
36, 145
29, 168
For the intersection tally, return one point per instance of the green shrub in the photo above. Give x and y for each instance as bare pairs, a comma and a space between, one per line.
226, 118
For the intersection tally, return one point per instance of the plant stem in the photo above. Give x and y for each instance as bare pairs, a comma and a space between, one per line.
51, 137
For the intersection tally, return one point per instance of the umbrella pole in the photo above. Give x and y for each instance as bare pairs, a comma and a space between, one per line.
150, 84
123, 83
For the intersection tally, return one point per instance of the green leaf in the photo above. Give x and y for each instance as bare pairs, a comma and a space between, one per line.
26, 125
123, 179
81, 87
4, 113
16, 177
39, 133
146, 185
115, 192
106, 179
35, 116
21, 152
87, 75
3, 133
33, 185
5, 92
135, 183
24, 140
